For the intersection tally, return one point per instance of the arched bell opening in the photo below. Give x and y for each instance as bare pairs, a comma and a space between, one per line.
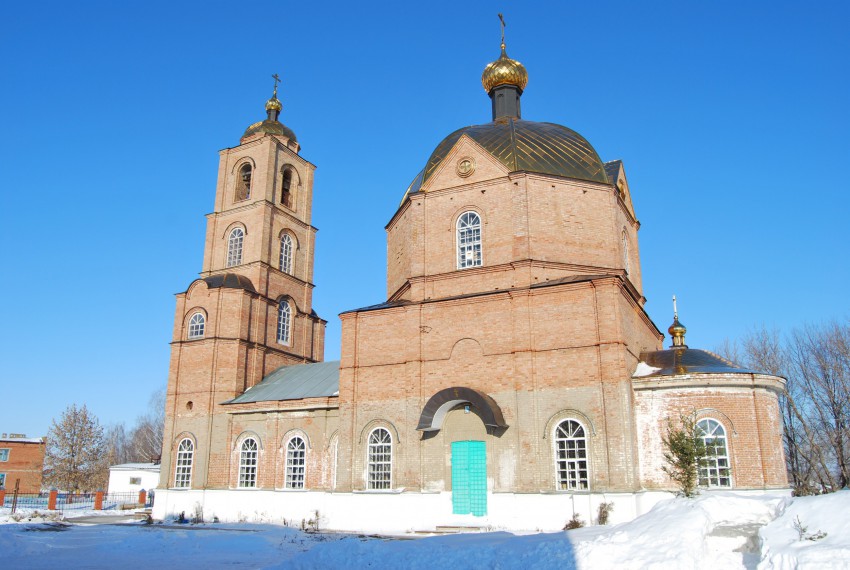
434, 413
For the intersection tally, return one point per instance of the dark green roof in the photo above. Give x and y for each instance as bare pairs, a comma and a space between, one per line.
318, 380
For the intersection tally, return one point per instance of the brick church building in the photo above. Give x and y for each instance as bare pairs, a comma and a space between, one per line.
511, 378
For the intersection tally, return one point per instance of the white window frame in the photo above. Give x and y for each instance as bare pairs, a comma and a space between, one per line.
284, 322
5, 456
235, 242
469, 242
715, 469
379, 460
296, 463
196, 326
249, 454
2, 480
286, 249
572, 464
184, 461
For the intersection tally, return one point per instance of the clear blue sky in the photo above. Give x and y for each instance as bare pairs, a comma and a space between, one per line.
731, 118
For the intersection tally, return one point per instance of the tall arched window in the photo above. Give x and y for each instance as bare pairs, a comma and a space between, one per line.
714, 468
296, 455
626, 252
284, 322
183, 472
286, 188
571, 456
248, 463
286, 254
468, 240
234, 247
196, 326
243, 183
380, 459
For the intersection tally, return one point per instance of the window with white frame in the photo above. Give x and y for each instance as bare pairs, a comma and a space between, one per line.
248, 464
284, 322
196, 326
714, 468
135, 480
380, 459
296, 455
469, 240
183, 472
571, 456
234, 247
286, 254
4, 454
243, 183
2, 480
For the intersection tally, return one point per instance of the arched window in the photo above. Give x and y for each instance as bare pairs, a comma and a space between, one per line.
286, 254
234, 247
468, 240
286, 188
571, 456
248, 463
714, 466
196, 326
284, 322
183, 472
626, 252
296, 455
243, 183
380, 459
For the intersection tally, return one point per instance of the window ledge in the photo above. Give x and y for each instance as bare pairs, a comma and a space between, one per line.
379, 491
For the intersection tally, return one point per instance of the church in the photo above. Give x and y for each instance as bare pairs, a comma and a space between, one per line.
511, 379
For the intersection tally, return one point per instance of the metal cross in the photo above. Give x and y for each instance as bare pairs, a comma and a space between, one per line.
276, 81
502, 20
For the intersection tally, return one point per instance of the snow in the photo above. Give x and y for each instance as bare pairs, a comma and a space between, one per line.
715, 530
644, 369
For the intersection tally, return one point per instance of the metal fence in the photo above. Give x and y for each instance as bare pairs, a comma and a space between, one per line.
70, 502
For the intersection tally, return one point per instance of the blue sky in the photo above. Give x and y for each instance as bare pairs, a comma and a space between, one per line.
731, 118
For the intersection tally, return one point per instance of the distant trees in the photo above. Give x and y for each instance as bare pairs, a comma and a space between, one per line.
815, 408
74, 458
143, 443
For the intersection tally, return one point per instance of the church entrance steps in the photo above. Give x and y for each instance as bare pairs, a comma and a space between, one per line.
452, 529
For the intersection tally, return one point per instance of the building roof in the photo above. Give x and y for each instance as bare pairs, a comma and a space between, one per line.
612, 169
136, 467
545, 148
679, 361
319, 380
21, 440
229, 281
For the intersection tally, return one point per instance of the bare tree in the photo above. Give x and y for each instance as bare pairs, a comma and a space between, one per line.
118, 448
75, 459
146, 437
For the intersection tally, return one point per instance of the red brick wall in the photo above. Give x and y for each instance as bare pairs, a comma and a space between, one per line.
26, 461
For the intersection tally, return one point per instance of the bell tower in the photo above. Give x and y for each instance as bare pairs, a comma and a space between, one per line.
251, 310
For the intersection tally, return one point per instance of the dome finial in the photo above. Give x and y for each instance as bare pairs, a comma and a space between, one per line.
677, 330
502, 24
273, 105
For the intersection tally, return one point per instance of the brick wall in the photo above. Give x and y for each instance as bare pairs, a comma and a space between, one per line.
25, 462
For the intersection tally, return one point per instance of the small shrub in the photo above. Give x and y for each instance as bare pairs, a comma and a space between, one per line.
802, 531
684, 447
603, 511
198, 516
574, 522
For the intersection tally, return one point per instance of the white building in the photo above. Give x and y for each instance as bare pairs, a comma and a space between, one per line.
133, 477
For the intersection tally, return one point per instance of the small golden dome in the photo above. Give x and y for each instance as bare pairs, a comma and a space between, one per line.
677, 333
504, 71
273, 104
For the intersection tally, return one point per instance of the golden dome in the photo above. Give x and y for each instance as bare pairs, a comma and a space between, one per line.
504, 71
273, 104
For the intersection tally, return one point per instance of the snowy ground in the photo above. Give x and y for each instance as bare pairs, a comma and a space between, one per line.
716, 530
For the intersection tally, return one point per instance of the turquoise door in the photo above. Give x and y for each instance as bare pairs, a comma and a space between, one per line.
469, 478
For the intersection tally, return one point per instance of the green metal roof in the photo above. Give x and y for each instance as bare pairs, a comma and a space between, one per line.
319, 380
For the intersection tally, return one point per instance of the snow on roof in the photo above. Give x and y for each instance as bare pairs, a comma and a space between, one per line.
644, 369
136, 466
22, 439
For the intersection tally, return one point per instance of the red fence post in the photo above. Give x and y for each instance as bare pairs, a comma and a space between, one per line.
51, 500
2, 497
143, 497
98, 501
